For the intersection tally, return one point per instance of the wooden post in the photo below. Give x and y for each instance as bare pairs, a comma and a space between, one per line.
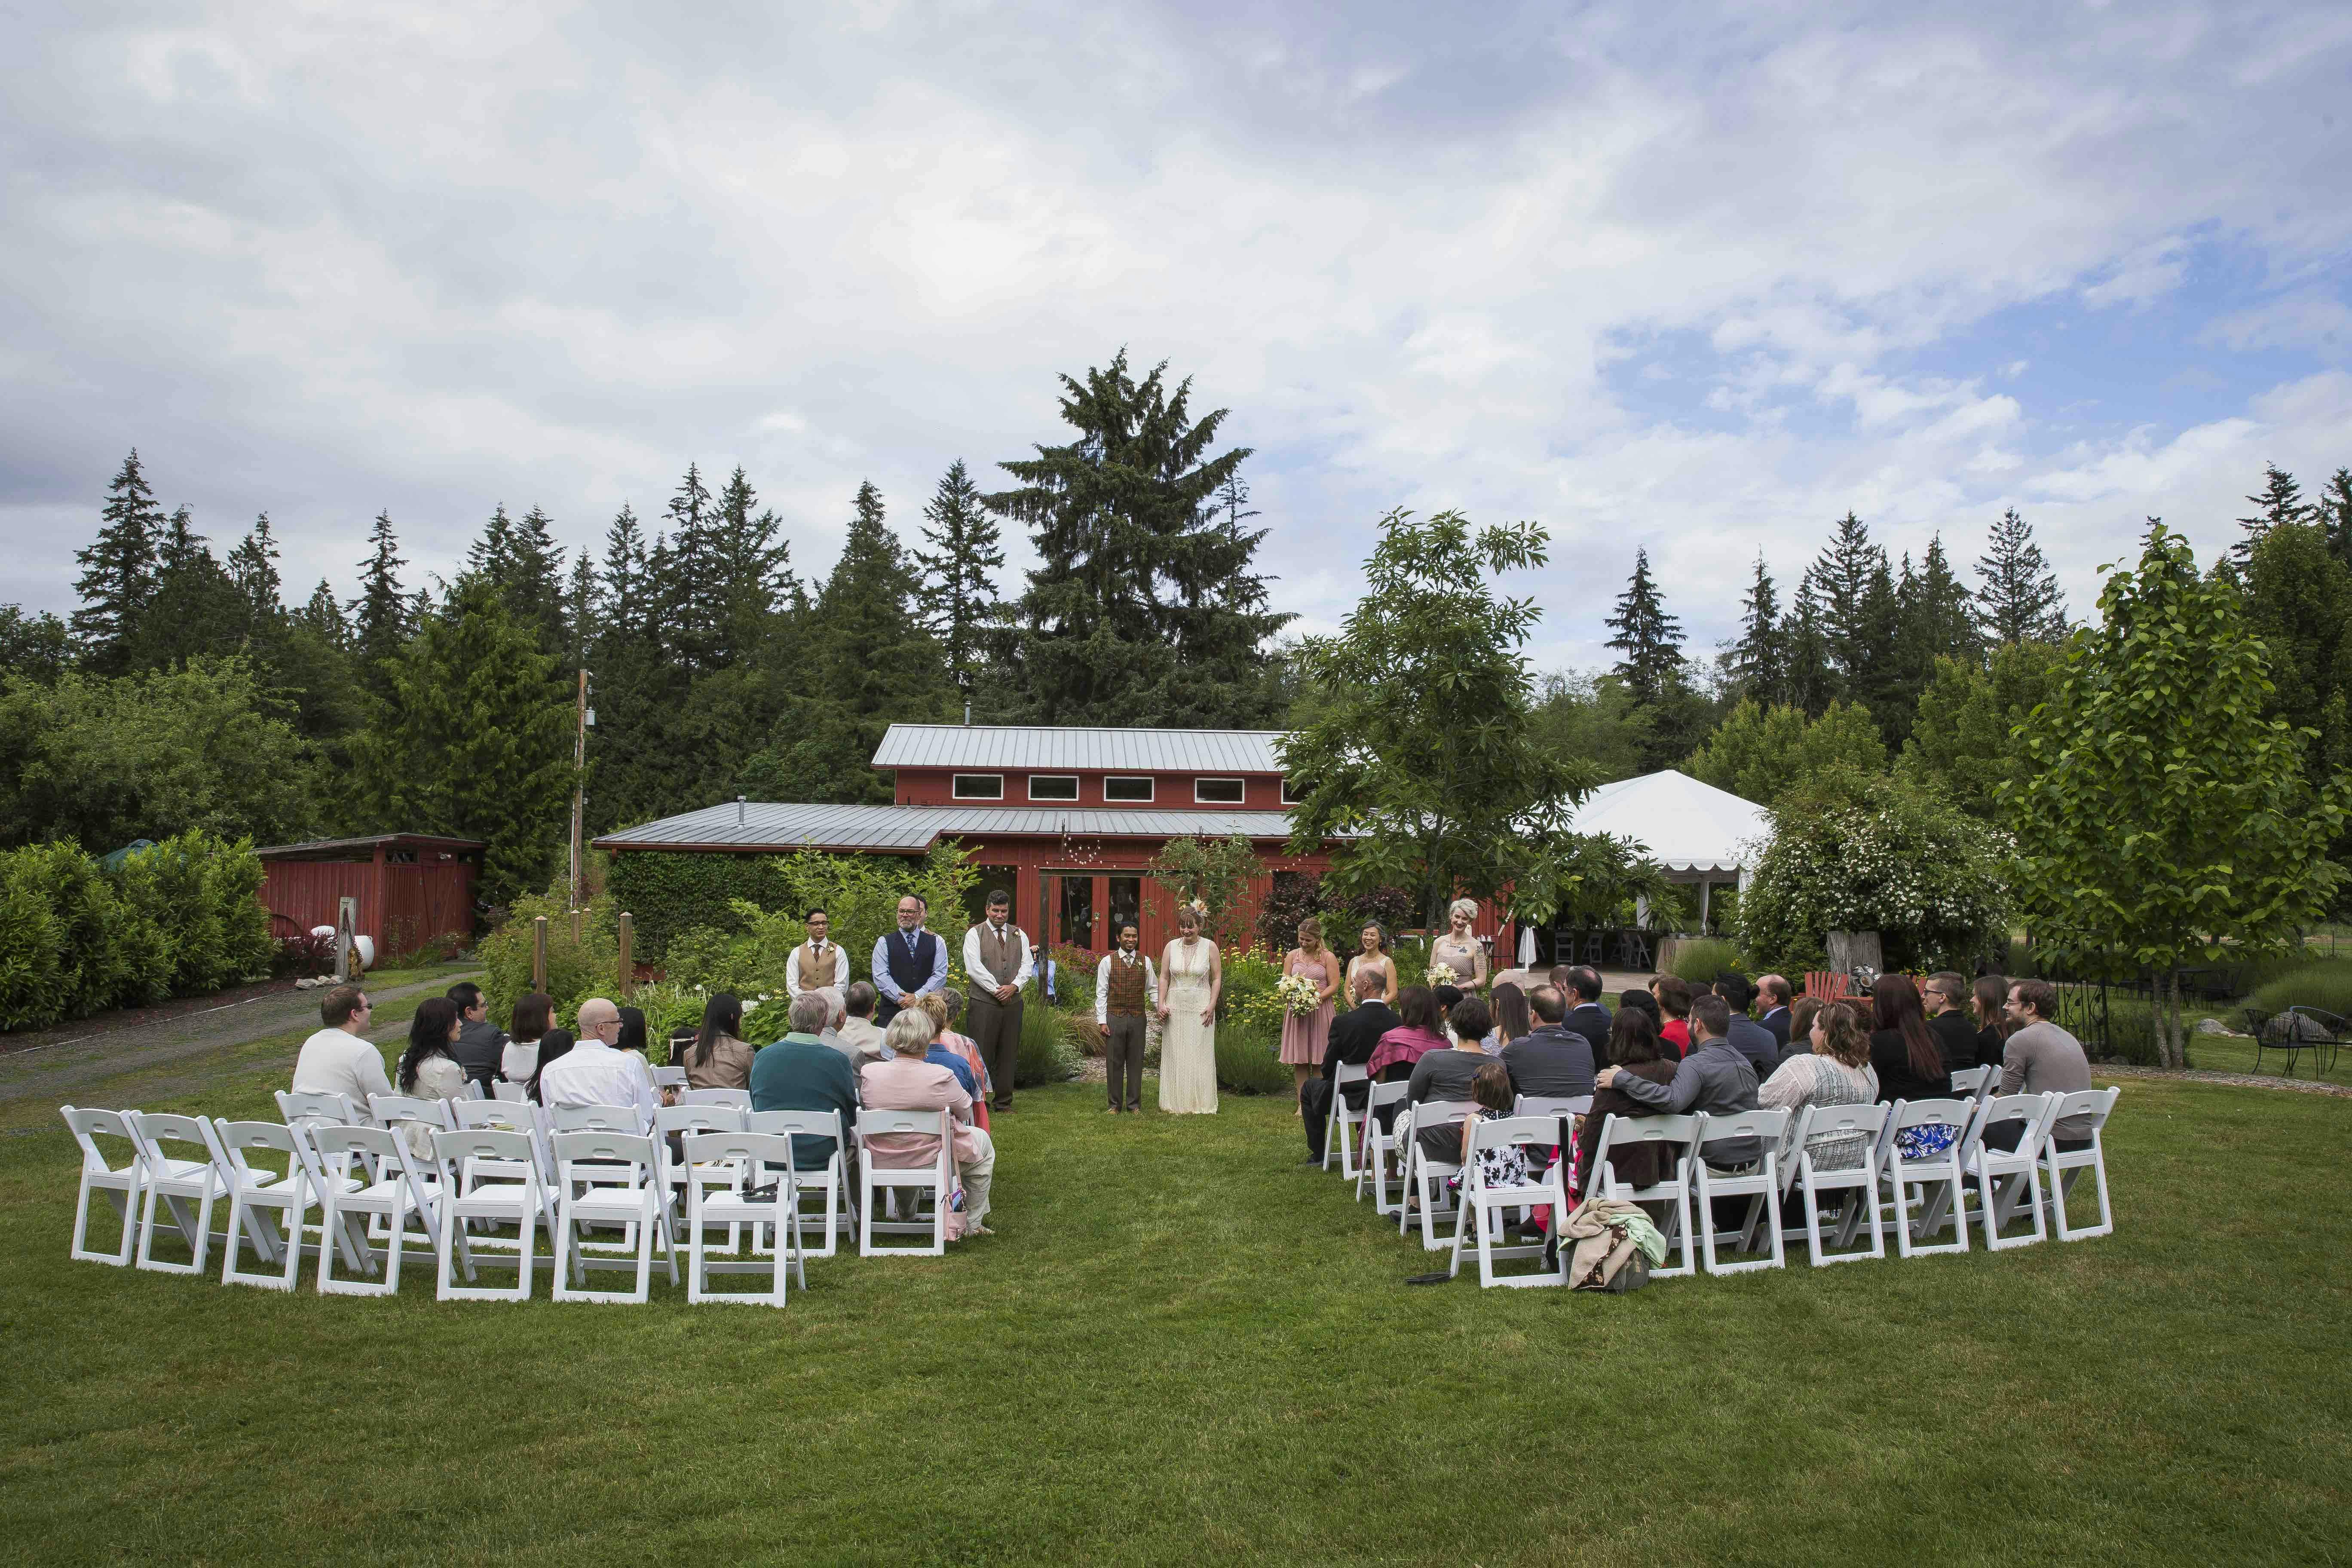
346, 916
575, 925
628, 976
539, 952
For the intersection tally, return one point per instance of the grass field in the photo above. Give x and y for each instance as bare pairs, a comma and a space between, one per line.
1182, 1347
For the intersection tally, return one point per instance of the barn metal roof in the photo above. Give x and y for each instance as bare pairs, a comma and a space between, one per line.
1079, 750
910, 829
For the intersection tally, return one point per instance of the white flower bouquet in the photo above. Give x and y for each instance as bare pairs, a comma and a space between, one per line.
1442, 974
1298, 994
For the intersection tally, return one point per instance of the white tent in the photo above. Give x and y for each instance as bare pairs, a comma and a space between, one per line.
1698, 833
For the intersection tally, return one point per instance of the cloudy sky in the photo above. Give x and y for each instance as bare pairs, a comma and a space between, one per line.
1694, 277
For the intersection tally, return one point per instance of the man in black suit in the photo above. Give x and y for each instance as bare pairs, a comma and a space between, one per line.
1354, 1034
1774, 992
1586, 1016
1553, 1062
1748, 1037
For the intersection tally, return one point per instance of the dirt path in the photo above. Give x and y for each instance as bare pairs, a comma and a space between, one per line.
57, 1072
2236, 1079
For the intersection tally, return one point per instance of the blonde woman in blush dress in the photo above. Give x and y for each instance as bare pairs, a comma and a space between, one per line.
1305, 1036
1460, 951
1190, 975
1374, 955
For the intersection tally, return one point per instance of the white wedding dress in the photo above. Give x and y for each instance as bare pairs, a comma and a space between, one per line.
1188, 1047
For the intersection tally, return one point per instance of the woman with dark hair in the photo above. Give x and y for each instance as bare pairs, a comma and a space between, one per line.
633, 1028
718, 1058
1674, 998
1633, 1048
1446, 1072
1416, 1034
427, 1069
1373, 954
1909, 1063
1995, 1025
1513, 1021
1636, 996
533, 1011
1631, 1027
554, 1043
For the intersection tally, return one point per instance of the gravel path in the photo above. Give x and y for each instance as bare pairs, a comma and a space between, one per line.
2237, 1079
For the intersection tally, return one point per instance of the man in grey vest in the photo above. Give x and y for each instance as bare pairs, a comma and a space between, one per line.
997, 961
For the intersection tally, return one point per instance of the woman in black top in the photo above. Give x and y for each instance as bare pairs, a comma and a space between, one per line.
1994, 1028
1911, 1066
1446, 1075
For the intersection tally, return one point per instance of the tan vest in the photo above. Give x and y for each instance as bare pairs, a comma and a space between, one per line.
1124, 994
818, 970
1000, 953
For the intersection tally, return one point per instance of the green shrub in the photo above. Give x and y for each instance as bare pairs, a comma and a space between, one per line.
200, 895
1247, 998
1700, 961
668, 892
1047, 1054
575, 970
1249, 1059
2325, 983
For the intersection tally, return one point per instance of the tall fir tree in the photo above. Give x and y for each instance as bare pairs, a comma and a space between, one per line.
118, 570
959, 586
2281, 502
682, 568
2017, 597
1143, 607
636, 688
253, 567
1650, 640
382, 617
752, 577
1933, 625
1759, 658
579, 610
196, 608
521, 560
322, 614
1809, 675
2333, 513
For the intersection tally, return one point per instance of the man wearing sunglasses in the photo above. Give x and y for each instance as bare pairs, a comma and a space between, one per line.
338, 1058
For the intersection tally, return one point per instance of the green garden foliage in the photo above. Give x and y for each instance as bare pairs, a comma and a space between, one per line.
1049, 1051
1966, 738
2325, 983
1249, 1059
1296, 896
2169, 821
1217, 872
1878, 853
670, 893
1760, 754
575, 970
202, 895
1700, 961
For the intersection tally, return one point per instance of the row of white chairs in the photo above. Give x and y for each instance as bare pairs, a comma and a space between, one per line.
1917, 1197
706, 1166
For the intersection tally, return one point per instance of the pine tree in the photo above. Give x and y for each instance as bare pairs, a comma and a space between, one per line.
958, 588
682, 568
1143, 607
1651, 640
579, 611
1811, 679
118, 571
324, 614
196, 608
1758, 661
637, 690
253, 567
2017, 593
382, 617
753, 580
2281, 502
2333, 513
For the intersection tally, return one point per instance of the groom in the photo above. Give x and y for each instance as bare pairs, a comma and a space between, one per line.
996, 959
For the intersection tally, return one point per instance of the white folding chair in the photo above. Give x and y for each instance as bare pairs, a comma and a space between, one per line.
830, 1181
2064, 1166
254, 1190
1758, 1182
1936, 1179
125, 1184
741, 1099
173, 1182
473, 1089
1552, 1105
1809, 1183
608, 1178
1968, 1081
1344, 1124
400, 1194
514, 1094
936, 1180
436, 1115
1482, 1204
734, 1207
305, 1111
516, 1198
2003, 1176
673, 1122
1425, 1177
593, 1119
1673, 1192
668, 1077
321, 1108
1380, 1144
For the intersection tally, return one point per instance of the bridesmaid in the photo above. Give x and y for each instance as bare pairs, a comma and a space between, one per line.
1375, 955
1304, 1036
1458, 949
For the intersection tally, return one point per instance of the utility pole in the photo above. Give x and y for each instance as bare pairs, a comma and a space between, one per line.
579, 781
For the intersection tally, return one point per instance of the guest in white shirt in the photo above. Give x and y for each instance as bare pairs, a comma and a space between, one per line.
339, 1060
532, 1013
819, 963
594, 1073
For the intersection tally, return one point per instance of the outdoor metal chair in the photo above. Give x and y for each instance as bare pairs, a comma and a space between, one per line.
2298, 1029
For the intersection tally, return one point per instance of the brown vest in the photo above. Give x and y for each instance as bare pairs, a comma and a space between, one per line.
1001, 954
1124, 994
816, 971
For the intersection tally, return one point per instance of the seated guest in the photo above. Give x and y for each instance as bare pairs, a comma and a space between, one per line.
1990, 1003
1911, 1066
1748, 1037
533, 1011
1586, 1016
1417, 1031
1551, 1063
801, 1072
339, 1060
1511, 1166
1639, 996
904, 1081
2043, 1058
1513, 1021
1355, 1033
632, 1036
595, 1072
553, 1045
1802, 1012
429, 1068
1835, 1071
480, 1043
1714, 1078
960, 1054
858, 1029
1446, 997
1674, 994
1639, 1164
1773, 992
718, 1058
1446, 1074
1946, 1002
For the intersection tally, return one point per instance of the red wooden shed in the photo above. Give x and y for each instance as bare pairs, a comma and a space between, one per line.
411, 887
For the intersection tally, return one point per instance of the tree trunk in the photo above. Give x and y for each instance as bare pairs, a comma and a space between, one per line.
2169, 1050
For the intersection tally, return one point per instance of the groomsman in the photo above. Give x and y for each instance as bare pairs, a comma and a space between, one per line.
907, 961
818, 963
1126, 990
997, 959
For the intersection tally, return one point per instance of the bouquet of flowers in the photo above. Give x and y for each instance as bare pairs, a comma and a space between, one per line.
1300, 995
1441, 975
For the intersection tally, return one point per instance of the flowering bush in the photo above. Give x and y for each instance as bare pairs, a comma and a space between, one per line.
1877, 854
1252, 994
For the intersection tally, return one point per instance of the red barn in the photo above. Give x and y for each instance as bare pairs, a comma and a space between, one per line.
411, 887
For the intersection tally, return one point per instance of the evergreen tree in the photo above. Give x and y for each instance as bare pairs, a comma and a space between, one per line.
382, 617
2017, 593
523, 563
637, 690
1937, 618
2334, 513
196, 608
1650, 640
2281, 503
119, 569
1143, 607
324, 614
1811, 682
1759, 659
682, 569
253, 567
959, 591
753, 580
579, 611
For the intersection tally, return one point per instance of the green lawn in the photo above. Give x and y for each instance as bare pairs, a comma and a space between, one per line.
1183, 1348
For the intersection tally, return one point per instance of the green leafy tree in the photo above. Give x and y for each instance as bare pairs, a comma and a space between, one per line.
2017, 596
1436, 765
1217, 872
382, 617
118, 568
2280, 503
1594, 719
1759, 662
1650, 640
2168, 822
959, 591
38, 647
1964, 740
1760, 753
1143, 608
2298, 599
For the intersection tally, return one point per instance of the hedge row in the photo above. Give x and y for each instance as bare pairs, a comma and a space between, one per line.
179, 918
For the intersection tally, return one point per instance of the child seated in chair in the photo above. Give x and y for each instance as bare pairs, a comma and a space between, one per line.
1490, 1088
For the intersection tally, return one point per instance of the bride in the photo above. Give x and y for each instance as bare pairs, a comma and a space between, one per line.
1191, 972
